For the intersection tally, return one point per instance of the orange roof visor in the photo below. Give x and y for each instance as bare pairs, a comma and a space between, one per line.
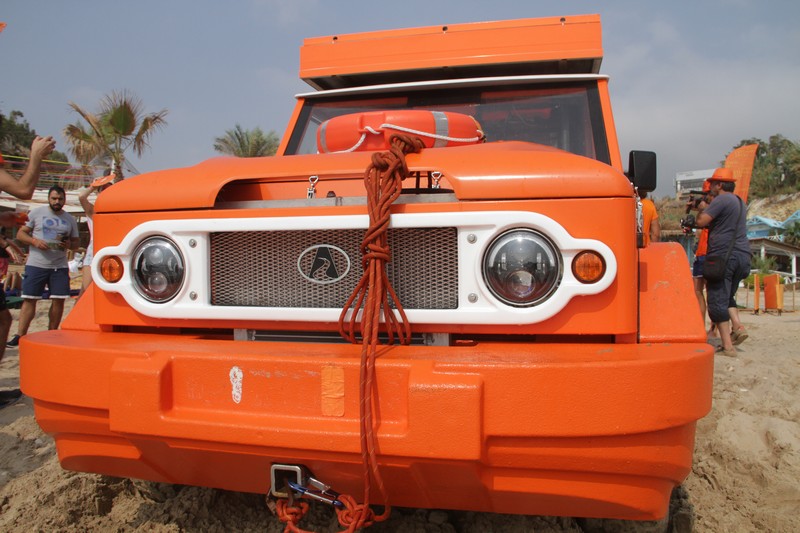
557, 45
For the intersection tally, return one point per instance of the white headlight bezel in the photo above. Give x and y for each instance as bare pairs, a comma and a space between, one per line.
476, 229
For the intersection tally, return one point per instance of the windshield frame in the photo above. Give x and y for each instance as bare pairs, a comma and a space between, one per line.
414, 90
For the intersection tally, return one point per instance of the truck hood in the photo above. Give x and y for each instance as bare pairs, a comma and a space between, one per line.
490, 171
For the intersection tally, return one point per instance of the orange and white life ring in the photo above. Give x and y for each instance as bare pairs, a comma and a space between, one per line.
373, 130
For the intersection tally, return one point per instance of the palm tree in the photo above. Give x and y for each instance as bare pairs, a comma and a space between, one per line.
239, 142
792, 234
107, 135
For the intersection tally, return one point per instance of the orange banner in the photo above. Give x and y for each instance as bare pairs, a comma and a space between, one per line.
741, 162
2, 26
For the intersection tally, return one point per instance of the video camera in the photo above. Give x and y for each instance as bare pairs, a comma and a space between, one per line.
688, 223
695, 198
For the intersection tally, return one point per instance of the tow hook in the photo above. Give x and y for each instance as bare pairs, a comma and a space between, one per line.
295, 481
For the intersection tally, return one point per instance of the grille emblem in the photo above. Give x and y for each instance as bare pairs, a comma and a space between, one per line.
323, 264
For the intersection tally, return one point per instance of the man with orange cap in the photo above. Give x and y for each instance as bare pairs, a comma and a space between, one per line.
725, 218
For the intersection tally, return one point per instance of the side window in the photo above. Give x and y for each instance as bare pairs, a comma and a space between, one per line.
553, 118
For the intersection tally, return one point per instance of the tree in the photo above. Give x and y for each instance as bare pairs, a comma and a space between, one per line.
791, 235
15, 133
764, 265
239, 142
118, 126
16, 136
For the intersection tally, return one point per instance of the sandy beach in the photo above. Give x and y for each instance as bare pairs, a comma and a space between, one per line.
746, 474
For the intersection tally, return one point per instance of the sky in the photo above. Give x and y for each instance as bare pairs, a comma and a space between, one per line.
689, 80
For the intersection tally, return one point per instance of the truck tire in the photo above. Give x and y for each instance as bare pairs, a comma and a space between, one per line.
679, 519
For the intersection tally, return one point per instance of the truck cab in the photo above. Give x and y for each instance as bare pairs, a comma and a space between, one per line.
548, 363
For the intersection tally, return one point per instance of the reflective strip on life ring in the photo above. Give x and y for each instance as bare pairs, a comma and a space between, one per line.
373, 130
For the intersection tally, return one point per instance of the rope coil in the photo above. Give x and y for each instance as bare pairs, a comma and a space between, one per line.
383, 181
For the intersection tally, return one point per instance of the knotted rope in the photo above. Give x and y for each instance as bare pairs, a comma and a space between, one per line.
291, 515
383, 181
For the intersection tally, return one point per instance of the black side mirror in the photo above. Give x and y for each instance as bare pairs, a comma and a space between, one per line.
642, 170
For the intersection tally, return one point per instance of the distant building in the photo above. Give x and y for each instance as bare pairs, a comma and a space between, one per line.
767, 228
691, 180
763, 227
795, 217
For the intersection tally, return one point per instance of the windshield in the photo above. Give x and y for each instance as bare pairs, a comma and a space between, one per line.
564, 116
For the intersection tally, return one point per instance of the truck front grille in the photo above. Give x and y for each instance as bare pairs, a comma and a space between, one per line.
272, 268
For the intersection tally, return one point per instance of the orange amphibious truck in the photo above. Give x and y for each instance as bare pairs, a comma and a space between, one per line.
434, 296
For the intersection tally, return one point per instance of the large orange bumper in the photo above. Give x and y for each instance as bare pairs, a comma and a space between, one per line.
558, 429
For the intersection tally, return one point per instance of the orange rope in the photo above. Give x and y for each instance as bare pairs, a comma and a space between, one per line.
291, 515
383, 183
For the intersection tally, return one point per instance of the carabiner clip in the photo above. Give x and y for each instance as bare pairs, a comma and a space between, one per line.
311, 192
321, 492
437, 177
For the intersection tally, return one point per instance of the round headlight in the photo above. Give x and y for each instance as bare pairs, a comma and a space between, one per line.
522, 268
158, 270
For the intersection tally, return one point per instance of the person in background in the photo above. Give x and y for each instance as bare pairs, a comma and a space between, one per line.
12, 283
725, 218
49, 233
98, 185
650, 228
700, 257
22, 188
9, 252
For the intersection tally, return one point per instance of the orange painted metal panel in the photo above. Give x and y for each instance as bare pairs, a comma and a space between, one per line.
473, 172
82, 316
773, 292
667, 312
573, 424
289, 128
523, 41
610, 126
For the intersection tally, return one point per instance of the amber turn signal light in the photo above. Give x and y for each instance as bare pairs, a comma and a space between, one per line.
588, 267
111, 269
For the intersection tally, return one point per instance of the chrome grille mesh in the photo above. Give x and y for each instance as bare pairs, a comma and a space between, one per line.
260, 268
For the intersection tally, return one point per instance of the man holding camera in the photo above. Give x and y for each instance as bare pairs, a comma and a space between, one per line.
725, 218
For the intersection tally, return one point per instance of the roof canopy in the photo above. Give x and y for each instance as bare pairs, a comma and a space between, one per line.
552, 45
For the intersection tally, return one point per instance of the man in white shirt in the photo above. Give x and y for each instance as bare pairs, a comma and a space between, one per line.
49, 233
